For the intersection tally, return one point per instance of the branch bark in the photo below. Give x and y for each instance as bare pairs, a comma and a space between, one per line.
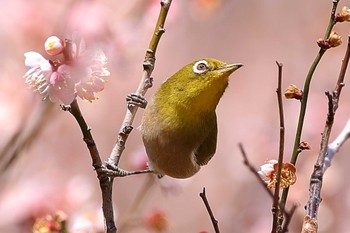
317, 175
276, 211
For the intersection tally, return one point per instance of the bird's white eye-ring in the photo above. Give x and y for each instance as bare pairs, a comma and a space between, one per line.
200, 67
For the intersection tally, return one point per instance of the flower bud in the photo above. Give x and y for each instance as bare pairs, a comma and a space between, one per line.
304, 145
343, 15
54, 45
293, 92
334, 39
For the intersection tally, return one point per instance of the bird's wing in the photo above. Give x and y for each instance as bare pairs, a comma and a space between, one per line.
207, 148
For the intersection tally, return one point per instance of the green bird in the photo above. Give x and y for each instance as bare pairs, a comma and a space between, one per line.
179, 126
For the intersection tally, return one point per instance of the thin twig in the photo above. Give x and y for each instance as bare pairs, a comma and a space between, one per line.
210, 212
304, 100
317, 175
276, 212
144, 85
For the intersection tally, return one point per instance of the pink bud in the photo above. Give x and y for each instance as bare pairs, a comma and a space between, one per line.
54, 45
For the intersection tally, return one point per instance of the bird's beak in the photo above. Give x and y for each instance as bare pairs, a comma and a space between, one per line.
229, 68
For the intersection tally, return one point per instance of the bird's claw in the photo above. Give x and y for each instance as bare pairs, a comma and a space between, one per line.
136, 100
110, 170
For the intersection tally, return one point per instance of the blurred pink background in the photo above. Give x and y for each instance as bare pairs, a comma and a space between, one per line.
54, 172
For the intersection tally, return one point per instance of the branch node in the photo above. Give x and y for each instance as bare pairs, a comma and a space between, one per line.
66, 108
160, 31
149, 82
126, 130
149, 61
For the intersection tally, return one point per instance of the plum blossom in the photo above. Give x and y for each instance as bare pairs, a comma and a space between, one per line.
61, 81
268, 172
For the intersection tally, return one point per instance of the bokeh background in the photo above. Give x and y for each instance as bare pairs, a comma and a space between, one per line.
53, 171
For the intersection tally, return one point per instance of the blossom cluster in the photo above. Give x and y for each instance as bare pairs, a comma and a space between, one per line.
82, 74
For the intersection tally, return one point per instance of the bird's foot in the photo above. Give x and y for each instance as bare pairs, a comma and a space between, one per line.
136, 100
111, 170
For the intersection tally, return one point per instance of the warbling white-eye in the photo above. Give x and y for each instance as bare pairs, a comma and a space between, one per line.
179, 127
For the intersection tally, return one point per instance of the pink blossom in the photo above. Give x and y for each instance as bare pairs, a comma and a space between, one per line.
48, 80
83, 76
92, 74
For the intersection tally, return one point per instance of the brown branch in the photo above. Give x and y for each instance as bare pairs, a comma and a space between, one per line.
144, 85
105, 181
210, 212
317, 175
276, 212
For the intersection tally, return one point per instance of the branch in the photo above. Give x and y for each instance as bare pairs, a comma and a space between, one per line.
276, 212
334, 147
144, 85
105, 182
319, 170
306, 89
210, 212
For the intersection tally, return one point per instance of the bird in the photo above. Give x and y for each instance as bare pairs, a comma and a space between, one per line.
179, 124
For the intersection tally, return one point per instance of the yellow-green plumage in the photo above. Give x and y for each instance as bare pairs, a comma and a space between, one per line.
179, 127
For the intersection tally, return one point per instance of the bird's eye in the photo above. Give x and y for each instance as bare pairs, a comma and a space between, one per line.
200, 67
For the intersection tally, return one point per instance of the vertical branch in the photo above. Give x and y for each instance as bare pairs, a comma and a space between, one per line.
278, 213
144, 85
105, 182
303, 106
317, 175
